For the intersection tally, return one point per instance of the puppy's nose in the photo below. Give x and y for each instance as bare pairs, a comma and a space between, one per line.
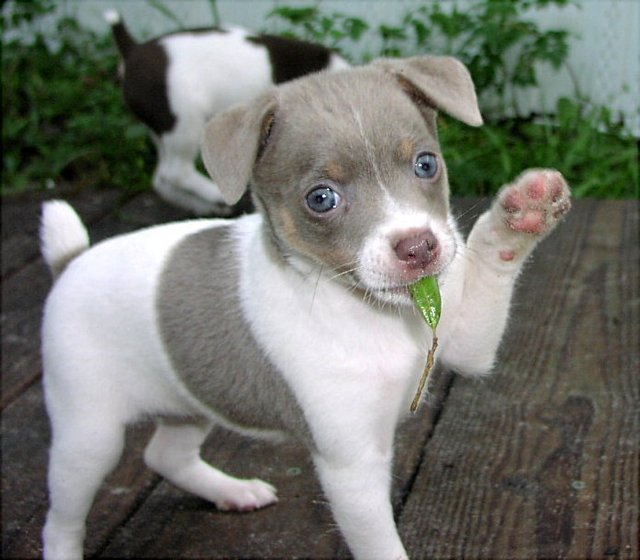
418, 250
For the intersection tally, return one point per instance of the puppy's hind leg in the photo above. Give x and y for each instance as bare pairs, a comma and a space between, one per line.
82, 453
174, 452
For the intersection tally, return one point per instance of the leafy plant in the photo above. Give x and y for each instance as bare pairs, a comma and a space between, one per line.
596, 163
500, 47
502, 50
65, 122
336, 31
64, 119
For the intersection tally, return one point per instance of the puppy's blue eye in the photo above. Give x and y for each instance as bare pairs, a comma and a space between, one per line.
426, 166
323, 199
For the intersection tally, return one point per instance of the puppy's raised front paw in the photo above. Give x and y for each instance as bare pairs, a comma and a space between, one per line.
246, 495
532, 205
536, 201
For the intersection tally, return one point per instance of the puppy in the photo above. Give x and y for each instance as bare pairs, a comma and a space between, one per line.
177, 82
295, 321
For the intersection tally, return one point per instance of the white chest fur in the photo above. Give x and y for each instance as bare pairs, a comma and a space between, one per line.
348, 361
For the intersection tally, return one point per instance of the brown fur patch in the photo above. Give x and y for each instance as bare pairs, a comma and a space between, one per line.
332, 257
289, 227
407, 149
336, 172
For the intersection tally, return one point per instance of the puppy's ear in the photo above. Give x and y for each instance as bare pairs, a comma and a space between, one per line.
441, 82
233, 141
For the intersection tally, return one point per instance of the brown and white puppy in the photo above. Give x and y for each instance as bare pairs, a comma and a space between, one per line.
295, 321
175, 83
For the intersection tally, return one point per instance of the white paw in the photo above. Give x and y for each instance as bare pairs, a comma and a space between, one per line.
245, 495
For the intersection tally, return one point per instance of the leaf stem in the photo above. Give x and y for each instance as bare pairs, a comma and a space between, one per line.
425, 373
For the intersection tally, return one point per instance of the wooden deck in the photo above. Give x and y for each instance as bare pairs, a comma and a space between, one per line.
541, 460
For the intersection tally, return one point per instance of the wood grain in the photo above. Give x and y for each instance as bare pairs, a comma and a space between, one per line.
541, 460
27, 281
538, 461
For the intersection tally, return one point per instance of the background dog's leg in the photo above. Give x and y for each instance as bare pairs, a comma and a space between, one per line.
174, 452
503, 237
84, 450
176, 178
359, 493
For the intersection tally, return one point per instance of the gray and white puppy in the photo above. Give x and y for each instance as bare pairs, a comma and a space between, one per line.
295, 321
175, 83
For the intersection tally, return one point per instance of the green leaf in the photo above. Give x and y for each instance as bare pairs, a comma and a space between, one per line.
426, 294
355, 27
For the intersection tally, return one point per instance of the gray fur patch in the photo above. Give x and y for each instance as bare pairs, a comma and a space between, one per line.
210, 343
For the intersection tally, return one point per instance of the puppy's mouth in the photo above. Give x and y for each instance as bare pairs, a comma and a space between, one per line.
389, 283
396, 293
395, 257
388, 264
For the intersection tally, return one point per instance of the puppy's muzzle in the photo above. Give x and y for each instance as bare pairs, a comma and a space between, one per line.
417, 251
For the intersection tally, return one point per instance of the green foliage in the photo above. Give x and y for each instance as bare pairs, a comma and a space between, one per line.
499, 46
502, 50
64, 119
336, 31
596, 164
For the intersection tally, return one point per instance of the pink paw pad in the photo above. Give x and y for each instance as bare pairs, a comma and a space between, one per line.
535, 202
507, 255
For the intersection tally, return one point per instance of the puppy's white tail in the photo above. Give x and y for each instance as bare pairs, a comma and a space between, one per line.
62, 235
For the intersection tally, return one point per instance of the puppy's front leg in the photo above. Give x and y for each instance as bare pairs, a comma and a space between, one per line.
359, 493
522, 214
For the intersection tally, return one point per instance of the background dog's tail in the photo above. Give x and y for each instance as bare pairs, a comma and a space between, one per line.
121, 34
62, 235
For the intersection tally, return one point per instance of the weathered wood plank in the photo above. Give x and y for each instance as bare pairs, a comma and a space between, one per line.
171, 524
142, 211
21, 221
541, 460
25, 436
23, 296
25, 290
25, 441
134, 516
26, 281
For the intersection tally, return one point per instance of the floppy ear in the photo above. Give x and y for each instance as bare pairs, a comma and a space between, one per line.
233, 141
441, 82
